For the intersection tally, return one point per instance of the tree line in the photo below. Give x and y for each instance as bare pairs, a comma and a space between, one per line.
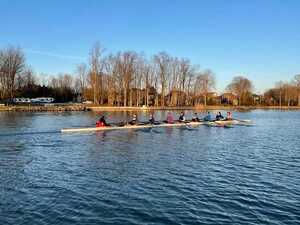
285, 93
128, 78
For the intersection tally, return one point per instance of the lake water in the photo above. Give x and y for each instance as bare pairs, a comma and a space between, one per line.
208, 175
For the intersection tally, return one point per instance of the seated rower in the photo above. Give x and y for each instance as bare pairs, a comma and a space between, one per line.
169, 118
195, 117
219, 116
229, 116
207, 117
134, 120
102, 122
151, 119
181, 117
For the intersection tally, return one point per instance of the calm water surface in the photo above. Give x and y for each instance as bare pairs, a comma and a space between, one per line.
208, 175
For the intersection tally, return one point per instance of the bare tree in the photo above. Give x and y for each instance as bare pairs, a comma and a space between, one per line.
63, 86
113, 86
240, 86
280, 86
29, 78
297, 82
126, 69
67, 81
185, 68
26, 80
149, 79
139, 78
97, 66
173, 83
81, 80
191, 80
284, 93
290, 93
12, 63
162, 59
146, 74
205, 82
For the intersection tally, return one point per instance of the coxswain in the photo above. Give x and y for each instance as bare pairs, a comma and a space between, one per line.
102, 122
219, 116
151, 119
181, 117
134, 120
170, 118
207, 117
195, 117
229, 116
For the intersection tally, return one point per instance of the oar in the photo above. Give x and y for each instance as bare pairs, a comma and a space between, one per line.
189, 127
246, 121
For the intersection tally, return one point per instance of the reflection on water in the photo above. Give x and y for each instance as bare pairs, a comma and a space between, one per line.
206, 175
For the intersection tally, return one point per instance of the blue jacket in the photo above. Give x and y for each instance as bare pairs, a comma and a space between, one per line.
207, 117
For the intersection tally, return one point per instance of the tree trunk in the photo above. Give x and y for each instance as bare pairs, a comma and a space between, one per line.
119, 100
130, 98
156, 100
94, 88
101, 90
125, 97
147, 97
280, 100
138, 98
162, 103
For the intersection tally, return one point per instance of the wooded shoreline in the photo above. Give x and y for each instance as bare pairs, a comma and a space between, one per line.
96, 108
131, 79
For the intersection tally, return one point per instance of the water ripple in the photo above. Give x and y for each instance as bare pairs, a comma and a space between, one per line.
243, 175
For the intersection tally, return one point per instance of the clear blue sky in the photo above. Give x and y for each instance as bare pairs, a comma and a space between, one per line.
257, 38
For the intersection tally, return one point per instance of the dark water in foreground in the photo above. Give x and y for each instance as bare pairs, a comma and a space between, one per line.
241, 175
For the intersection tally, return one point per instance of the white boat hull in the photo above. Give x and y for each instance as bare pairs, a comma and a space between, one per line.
126, 127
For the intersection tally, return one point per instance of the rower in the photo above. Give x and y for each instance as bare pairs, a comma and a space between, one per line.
181, 117
102, 122
207, 117
134, 120
151, 119
195, 117
219, 116
229, 116
169, 118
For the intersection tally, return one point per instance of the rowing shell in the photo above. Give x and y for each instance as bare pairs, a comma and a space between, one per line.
126, 127
130, 127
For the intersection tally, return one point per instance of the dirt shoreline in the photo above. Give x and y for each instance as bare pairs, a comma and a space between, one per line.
81, 107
